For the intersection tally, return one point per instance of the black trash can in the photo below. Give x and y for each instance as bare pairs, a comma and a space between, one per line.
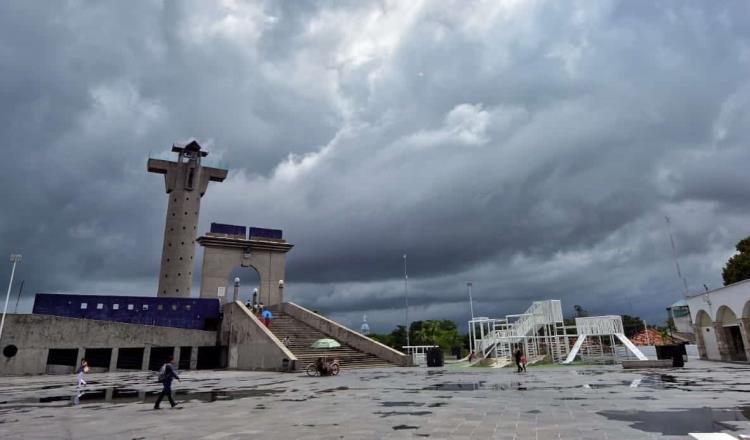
434, 357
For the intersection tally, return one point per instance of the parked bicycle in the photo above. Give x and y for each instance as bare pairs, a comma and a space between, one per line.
322, 367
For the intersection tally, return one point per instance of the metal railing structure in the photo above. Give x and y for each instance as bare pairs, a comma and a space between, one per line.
541, 334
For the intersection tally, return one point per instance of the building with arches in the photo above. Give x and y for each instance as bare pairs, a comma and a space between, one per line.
721, 320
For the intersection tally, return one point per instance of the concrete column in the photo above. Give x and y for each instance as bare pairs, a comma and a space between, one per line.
698, 331
721, 341
193, 358
113, 359
146, 357
81, 354
745, 332
176, 354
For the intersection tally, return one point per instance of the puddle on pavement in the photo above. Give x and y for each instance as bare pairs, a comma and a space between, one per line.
384, 414
683, 421
475, 386
456, 386
391, 404
117, 395
400, 427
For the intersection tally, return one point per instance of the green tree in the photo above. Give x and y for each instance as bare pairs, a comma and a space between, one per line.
738, 266
632, 325
580, 311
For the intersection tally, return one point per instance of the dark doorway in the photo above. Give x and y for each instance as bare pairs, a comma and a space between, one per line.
130, 358
209, 358
159, 356
736, 347
62, 356
98, 357
185, 353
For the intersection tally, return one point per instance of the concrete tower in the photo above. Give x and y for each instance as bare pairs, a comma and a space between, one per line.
186, 182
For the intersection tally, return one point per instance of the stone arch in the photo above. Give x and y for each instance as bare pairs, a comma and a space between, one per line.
726, 316
708, 346
222, 253
703, 319
729, 335
249, 280
746, 311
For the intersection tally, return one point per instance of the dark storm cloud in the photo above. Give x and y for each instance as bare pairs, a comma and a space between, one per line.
533, 147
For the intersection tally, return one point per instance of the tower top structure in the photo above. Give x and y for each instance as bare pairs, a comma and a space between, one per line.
186, 182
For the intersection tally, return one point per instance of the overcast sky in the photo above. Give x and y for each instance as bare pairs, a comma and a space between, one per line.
532, 147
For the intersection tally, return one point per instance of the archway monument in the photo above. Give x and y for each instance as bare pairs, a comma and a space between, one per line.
250, 344
228, 246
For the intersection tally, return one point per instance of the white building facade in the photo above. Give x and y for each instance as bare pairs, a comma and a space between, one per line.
721, 320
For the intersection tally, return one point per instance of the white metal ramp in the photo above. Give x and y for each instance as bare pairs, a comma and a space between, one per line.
576, 348
633, 349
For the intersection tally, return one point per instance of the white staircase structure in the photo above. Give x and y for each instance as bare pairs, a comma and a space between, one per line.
598, 326
541, 334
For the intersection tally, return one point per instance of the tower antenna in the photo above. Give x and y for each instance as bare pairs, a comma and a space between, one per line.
674, 257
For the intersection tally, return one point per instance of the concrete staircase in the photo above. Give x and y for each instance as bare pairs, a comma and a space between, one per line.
302, 336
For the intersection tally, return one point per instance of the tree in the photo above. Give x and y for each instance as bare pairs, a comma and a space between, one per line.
632, 325
580, 311
738, 266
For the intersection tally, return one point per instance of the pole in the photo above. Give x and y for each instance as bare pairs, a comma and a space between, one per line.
18, 298
14, 258
471, 303
406, 298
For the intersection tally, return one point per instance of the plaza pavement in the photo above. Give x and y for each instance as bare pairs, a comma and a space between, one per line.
548, 402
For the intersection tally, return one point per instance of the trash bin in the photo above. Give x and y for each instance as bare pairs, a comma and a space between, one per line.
434, 357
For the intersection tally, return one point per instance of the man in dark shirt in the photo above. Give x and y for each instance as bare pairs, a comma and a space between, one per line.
517, 356
166, 375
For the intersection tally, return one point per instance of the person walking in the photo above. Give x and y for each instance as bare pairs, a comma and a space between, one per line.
524, 361
267, 316
517, 356
84, 368
166, 374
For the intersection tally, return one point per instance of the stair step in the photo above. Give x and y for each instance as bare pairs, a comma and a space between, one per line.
302, 336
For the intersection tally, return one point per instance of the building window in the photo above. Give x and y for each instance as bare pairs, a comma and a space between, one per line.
84, 306
115, 307
145, 307
130, 306
188, 307
174, 307
99, 306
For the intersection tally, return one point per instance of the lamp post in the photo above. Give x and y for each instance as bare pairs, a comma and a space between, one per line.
406, 298
471, 303
14, 258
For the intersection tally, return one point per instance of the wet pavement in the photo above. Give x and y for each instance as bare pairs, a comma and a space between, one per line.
548, 402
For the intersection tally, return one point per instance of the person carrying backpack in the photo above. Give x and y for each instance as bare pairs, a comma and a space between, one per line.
166, 374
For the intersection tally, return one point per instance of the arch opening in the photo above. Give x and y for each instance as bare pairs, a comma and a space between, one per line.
729, 330
707, 335
249, 283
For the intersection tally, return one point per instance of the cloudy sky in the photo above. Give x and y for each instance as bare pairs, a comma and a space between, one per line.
532, 147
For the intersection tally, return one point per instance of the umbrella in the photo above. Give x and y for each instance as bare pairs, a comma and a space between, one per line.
325, 343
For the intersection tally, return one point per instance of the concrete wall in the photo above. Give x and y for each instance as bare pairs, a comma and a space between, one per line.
345, 335
34, 335
251, 345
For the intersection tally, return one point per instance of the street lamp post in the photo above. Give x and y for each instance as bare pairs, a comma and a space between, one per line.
14, 258
471, 303
406, 298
